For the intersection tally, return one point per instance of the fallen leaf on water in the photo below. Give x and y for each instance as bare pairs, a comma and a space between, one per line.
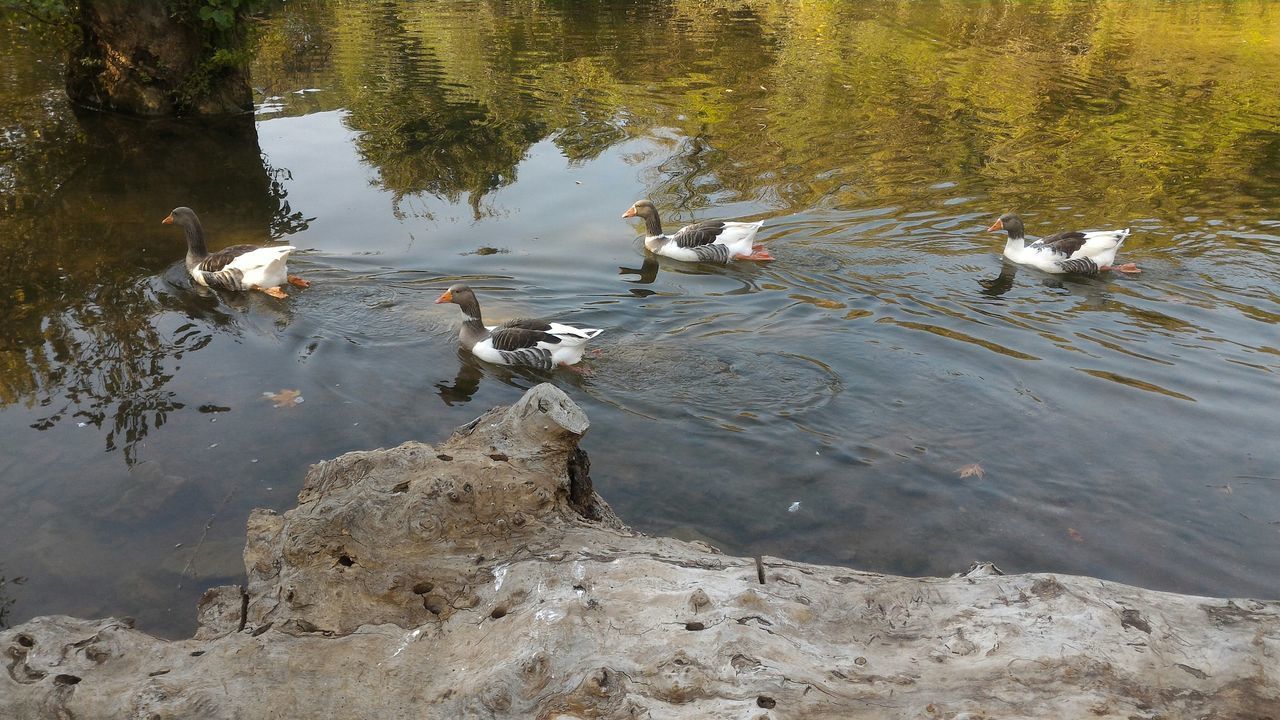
284, 398
1075, 535
971, 470
819, 302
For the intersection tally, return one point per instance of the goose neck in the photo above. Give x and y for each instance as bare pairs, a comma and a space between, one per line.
652, 224
196, 249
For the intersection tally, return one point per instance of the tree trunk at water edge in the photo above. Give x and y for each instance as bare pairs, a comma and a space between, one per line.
158, 57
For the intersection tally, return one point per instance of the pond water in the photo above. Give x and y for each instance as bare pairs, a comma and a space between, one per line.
821, 407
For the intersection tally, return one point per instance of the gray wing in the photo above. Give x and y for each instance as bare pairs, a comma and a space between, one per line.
698, 234
522, 334
1064, 243
215, 272
213, 262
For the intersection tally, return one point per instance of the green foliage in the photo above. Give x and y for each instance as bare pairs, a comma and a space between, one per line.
219, 13
42, 10
224, 17
229, 41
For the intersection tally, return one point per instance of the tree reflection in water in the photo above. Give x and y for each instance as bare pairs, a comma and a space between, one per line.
82, 260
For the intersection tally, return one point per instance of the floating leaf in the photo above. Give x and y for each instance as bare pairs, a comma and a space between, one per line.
819, 302
971, 470
284, 398
1075, 535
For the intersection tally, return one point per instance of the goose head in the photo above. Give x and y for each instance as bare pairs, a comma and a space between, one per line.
645, 209
1010, 223
458, 293
183, 217
463, 296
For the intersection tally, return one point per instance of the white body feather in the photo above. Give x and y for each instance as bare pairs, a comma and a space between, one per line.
566, 352
261, 268
1100, 246
738, 237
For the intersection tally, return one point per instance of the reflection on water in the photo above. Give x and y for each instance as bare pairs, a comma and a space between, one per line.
5, 600
646, 274
80, 340
471, 372
1123, 423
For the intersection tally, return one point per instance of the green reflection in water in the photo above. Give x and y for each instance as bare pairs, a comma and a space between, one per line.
1036, 104
80, 246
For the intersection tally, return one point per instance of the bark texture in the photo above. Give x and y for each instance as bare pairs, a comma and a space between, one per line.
482, 578
155, 57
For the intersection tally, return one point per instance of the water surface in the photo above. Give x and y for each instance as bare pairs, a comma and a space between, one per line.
1126, 427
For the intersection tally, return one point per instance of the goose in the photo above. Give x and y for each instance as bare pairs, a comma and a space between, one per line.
538, 344
239, 267
1066, 252
716, 241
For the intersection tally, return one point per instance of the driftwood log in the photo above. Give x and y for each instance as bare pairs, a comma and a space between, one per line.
483, 578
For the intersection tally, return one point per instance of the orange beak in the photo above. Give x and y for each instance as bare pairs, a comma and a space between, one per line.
446, 297
168, 220
631, 212
999, 225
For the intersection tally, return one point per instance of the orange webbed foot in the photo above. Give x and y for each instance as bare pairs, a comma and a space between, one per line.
759, 253
298, 282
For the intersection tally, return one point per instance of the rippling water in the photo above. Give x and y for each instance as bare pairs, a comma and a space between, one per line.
1126, 427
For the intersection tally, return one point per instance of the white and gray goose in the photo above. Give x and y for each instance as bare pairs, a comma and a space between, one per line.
1087, 253
522, 342
717, 241
239, 267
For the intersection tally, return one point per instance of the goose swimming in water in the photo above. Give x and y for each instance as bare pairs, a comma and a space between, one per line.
717, 241
1087, 253
239, 267
539, 344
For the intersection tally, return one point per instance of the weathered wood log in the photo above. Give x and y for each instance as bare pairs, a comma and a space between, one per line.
471, 579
